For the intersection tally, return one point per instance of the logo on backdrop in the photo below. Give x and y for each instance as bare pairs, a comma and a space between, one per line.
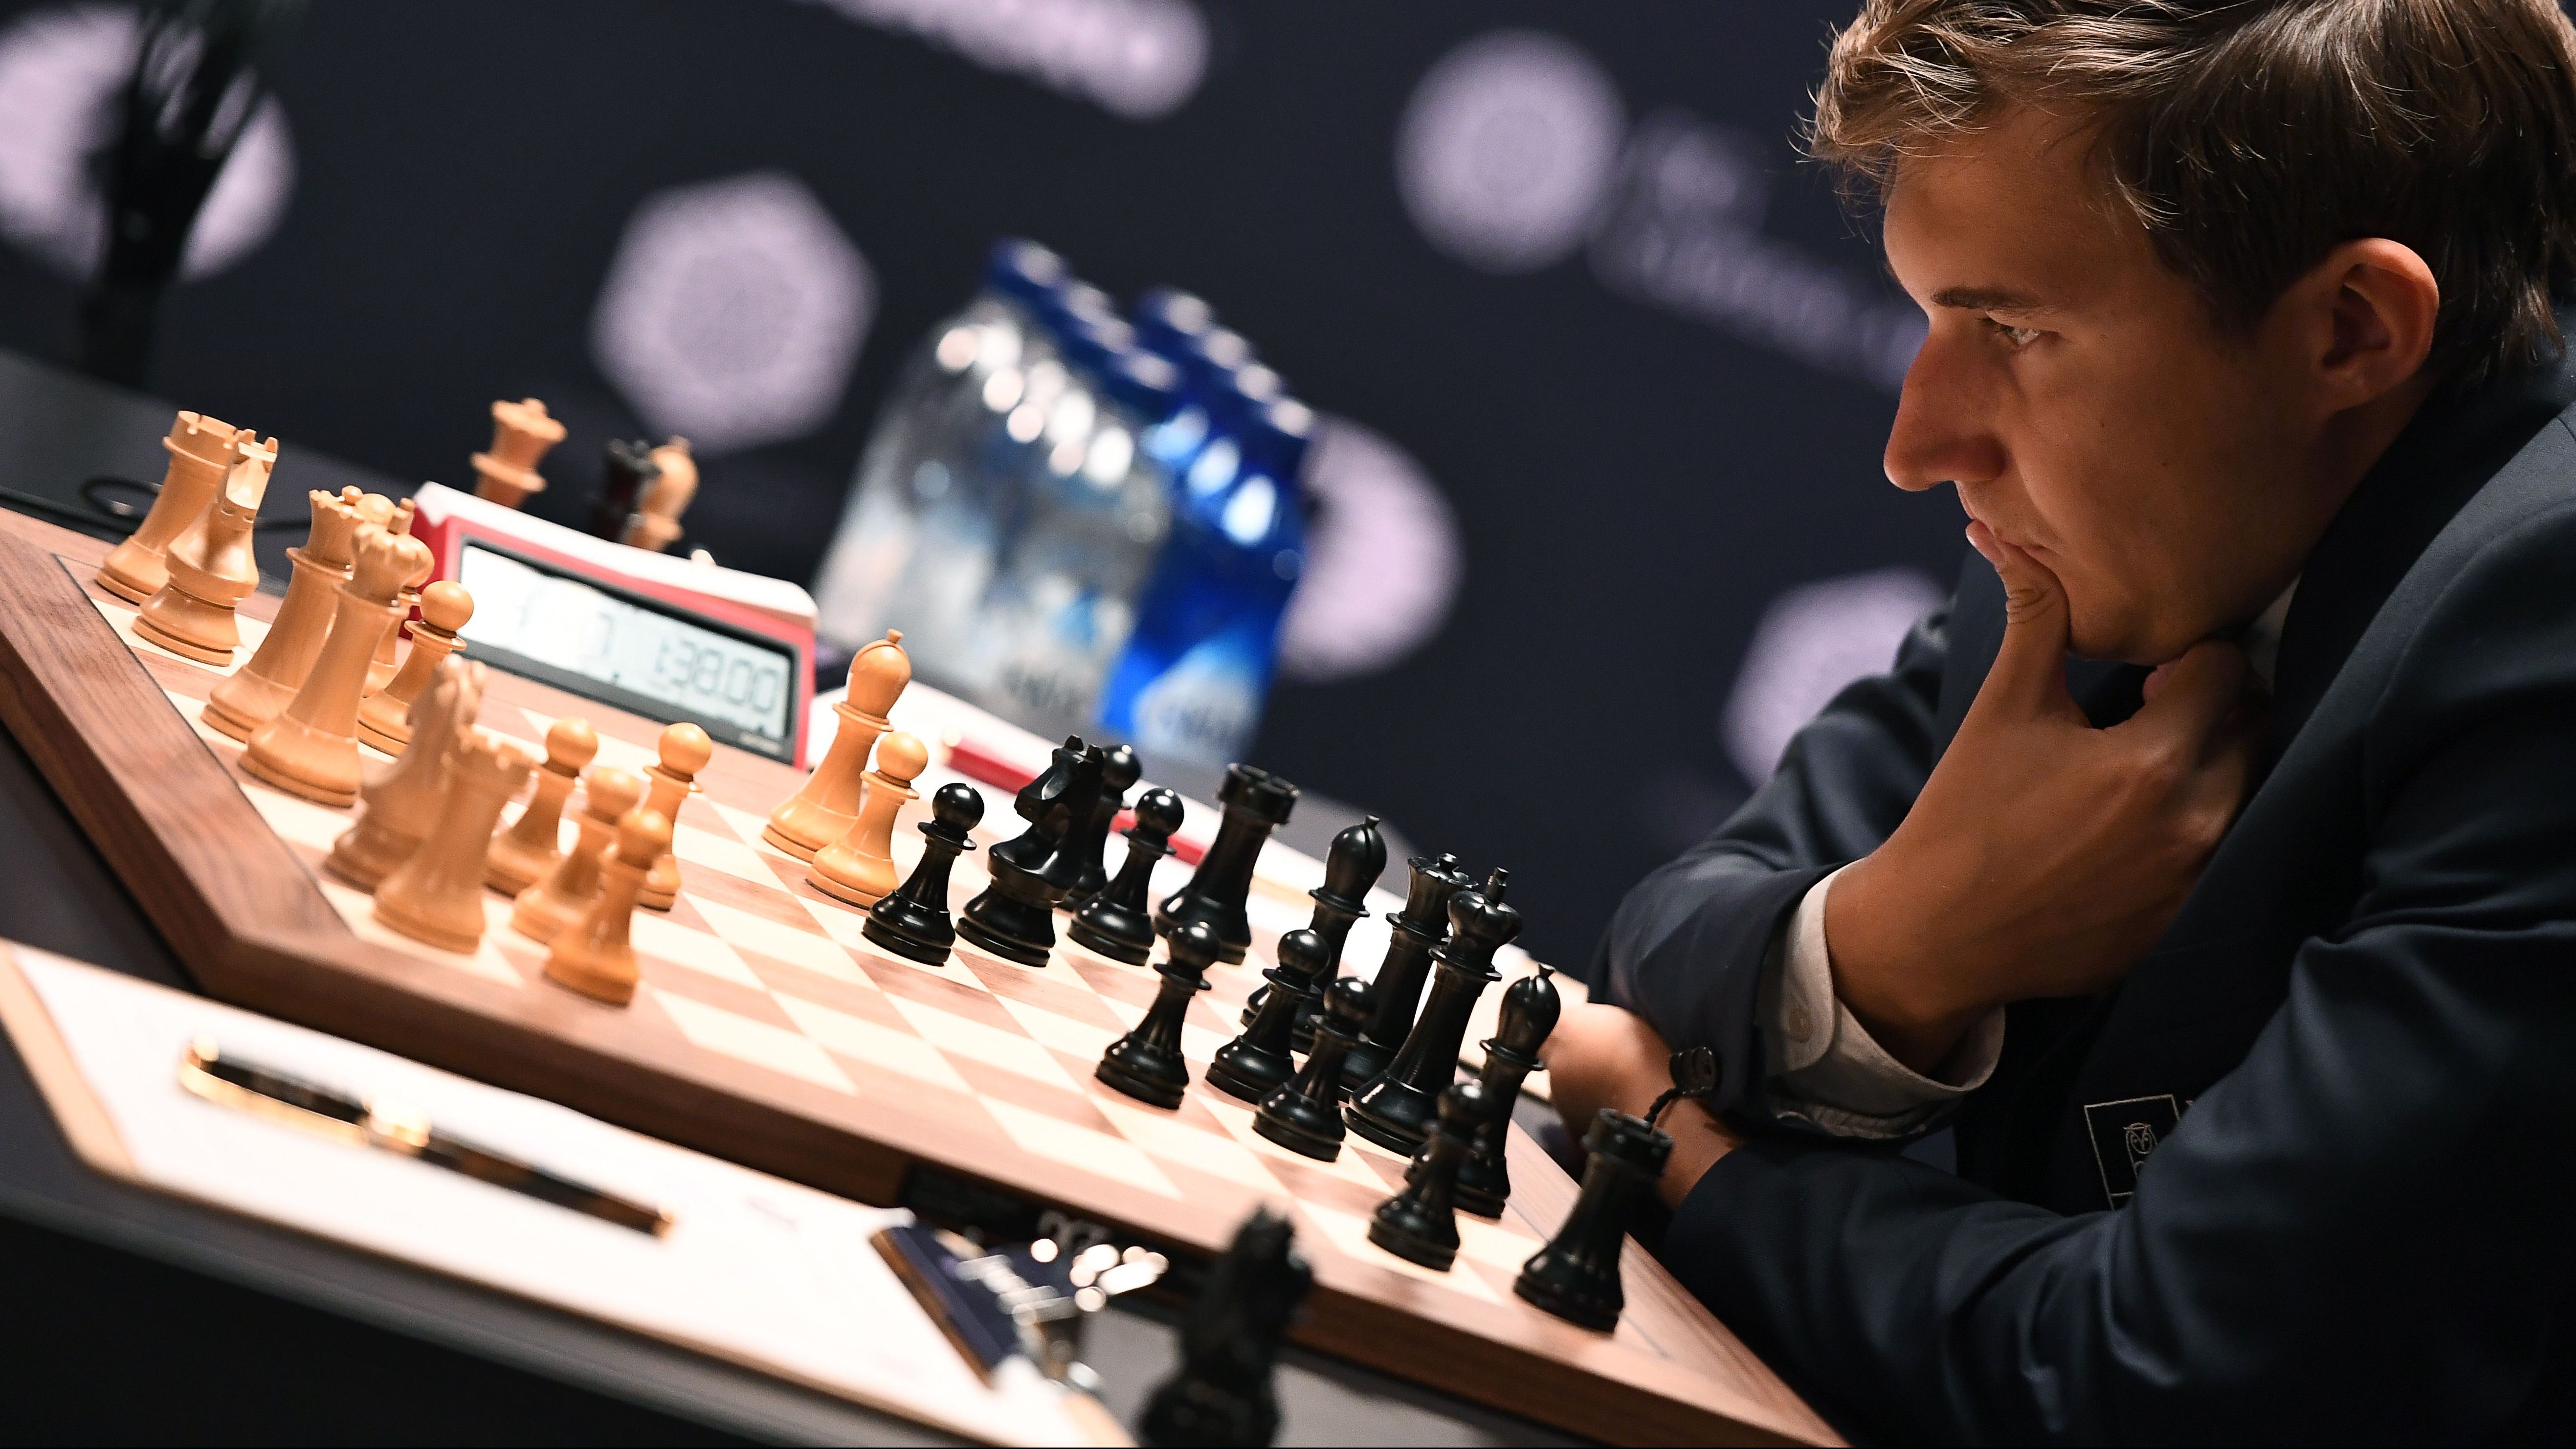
1140, 59
1382, 558
1813, 640
1506, 147
60, 72
1683, 232
1514, 151
733, 311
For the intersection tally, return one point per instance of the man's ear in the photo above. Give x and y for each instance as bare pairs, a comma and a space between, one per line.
2369, 309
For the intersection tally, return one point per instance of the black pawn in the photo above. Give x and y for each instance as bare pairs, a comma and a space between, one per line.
1306, 1115
1352, 864
1118, 771
1530, 1009
1118, 923
1256, 802
1015, 916
1422, 925
1576, 1276
1420, 1224
1222, 1394
914, 920
1146, 1063
627, 468
1254, 1064
1395, 1111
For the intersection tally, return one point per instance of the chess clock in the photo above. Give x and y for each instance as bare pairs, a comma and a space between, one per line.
661, 637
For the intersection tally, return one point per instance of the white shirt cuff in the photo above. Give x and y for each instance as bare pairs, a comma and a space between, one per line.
1826, 1066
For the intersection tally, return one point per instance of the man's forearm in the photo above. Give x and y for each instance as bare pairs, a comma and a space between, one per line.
1918, 1015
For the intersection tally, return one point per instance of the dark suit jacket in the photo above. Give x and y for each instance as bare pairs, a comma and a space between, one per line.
2309, 1172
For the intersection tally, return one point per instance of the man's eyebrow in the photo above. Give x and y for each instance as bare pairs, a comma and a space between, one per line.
1987, 299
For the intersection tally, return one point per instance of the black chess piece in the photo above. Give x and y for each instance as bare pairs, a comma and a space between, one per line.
1420, 1224
1352, 864
623, 474
1256, 802
1254, 1064
1395, 1111
1420, 926
1146, 1063
1118, 771
913, 922
1015, 916
1530, 1009
1306, 1114
1222, 1393
1118, 922
1576, 1276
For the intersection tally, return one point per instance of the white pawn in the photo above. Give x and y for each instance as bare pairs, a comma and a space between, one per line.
546, 908
685, 750
532, 846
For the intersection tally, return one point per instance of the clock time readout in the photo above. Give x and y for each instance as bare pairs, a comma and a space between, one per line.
569, 625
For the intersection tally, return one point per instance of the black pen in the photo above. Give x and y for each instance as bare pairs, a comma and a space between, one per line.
290, 1100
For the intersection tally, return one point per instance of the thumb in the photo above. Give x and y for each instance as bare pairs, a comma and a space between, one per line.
2194, 696
2029, 672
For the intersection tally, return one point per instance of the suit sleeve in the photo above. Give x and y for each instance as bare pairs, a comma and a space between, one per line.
1687, 946
2358, 1234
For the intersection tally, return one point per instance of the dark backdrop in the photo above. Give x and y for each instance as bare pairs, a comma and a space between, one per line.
1637, 470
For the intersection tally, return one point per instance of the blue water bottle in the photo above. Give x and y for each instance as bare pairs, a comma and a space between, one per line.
1197, 670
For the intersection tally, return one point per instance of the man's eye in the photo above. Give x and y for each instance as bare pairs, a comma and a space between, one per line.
2018, 337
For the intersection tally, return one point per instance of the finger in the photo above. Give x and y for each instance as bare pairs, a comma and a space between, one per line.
2225, 776
2029, 672
2195, 694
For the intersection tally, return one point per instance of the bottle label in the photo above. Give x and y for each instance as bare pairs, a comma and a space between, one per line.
1205, 706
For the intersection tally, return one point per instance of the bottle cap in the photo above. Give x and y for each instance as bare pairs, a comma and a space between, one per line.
1079, 301
1025, 272
1090, 342
1144, 384
1275, 439
1171, 322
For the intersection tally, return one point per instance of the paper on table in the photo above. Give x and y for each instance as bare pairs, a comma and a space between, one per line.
755, 1269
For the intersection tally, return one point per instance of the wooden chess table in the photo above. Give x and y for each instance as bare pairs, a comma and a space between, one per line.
769, 1032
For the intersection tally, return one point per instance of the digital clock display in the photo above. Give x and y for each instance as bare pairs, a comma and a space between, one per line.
628, 650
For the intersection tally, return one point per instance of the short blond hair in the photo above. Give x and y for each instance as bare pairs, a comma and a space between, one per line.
2249, 137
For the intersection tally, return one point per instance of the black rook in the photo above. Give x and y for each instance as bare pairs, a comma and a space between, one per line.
1576, 1276
1256, 802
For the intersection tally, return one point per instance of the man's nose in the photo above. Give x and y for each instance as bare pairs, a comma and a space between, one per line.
1943, 431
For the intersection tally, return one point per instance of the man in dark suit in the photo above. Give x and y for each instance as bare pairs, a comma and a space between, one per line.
2209, 861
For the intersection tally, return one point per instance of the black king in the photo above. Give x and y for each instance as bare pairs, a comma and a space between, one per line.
1418, 928
1395, 1111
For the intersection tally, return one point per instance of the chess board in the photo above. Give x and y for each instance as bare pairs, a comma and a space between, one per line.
768, 1031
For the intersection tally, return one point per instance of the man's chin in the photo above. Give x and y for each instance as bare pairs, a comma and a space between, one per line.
2144, 651
2105, 638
